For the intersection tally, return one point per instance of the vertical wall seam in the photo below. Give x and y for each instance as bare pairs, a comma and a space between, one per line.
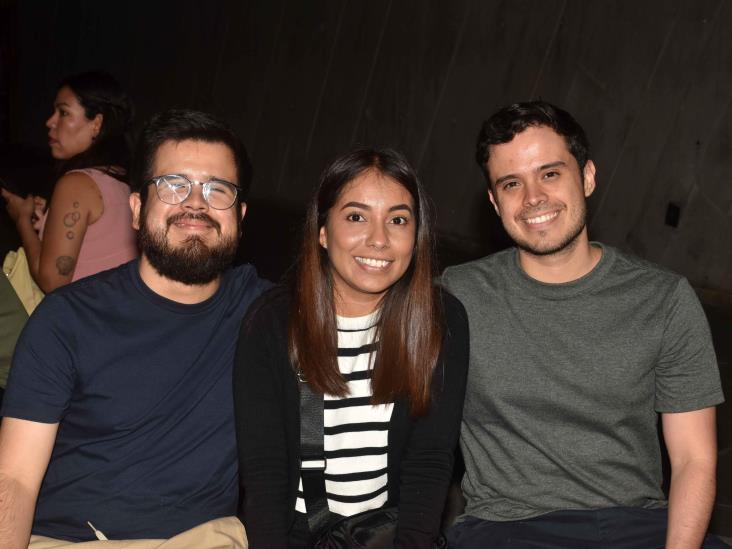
629, 132
268, 76
324, 84
448, 72
548, 51
372, 69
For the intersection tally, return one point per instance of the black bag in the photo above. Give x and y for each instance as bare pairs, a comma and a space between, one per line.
374, 529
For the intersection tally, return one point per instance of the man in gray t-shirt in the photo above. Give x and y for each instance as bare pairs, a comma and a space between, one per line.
575, 350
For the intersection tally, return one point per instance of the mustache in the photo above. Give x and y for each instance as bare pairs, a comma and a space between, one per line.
537, 210
194, 217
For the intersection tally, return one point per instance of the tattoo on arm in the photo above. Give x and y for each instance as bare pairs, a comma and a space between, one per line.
70, 235
65, 265
71, 219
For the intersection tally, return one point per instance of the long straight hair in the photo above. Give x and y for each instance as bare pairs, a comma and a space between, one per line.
410, 325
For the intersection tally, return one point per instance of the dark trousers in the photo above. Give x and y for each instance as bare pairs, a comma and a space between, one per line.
614, 528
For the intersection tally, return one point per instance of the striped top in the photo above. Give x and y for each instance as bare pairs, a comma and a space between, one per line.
356, 433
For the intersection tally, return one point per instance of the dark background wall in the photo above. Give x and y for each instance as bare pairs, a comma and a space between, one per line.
302, 81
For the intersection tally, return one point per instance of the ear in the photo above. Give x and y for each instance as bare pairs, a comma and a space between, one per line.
589, 178
135, 207
97, 124
323, 237
243, 209
494, 202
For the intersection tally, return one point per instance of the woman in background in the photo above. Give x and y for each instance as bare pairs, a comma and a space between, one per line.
88, 225
364, 326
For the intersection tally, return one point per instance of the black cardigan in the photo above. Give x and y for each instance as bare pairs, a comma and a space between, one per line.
266, 397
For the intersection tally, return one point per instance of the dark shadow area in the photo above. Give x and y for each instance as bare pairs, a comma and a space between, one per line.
491, 237
720, 322
271, 237
23, 170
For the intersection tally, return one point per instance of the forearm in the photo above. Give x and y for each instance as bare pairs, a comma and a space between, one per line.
266, 519
691, 498
16, 513
422, 497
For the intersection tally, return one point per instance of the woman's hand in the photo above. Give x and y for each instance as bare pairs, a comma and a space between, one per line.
18, 208
38, 212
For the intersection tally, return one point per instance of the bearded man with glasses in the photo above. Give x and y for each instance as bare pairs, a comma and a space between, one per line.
118, 415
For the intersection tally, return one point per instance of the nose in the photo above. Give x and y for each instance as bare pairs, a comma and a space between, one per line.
534, 194
378, 237
195, 200
51, 122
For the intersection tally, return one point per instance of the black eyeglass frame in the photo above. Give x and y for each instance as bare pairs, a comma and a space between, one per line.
205, 188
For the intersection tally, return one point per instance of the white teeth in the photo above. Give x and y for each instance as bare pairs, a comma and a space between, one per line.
379, 263
541, 218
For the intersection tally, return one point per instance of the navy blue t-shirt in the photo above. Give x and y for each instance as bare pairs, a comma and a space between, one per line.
141, 386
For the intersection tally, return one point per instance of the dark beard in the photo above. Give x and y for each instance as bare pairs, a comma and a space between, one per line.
193, 262
570, 240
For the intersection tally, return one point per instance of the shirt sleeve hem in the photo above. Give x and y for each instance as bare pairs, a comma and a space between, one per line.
713, 399
39, 416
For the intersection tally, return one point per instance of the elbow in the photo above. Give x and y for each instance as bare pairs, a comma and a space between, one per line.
49, 283
45, 287
699, 471
48, 280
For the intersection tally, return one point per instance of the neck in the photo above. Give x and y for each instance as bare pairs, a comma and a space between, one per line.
566, 265
188, 294
356, 307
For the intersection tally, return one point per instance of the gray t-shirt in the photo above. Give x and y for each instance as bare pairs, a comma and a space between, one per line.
566, 381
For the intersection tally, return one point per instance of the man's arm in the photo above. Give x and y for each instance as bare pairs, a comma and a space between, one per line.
691, 439
25, 449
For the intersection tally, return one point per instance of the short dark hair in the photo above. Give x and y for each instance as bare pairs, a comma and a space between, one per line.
181, 125
503, 126
98, 92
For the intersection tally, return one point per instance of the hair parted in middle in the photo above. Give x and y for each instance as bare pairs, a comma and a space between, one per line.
410, 326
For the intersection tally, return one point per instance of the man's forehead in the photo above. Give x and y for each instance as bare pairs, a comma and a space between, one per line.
193, 155
530, 149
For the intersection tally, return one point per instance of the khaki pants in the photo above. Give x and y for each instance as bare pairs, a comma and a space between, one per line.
221, 533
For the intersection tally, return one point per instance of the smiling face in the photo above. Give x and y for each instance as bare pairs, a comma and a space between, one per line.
70, 132
189, 242
369, 236
539, 191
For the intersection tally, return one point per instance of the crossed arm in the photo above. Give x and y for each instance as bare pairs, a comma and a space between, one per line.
25, 449
691, 440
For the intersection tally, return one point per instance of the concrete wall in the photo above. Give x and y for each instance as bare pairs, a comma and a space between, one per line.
303, 81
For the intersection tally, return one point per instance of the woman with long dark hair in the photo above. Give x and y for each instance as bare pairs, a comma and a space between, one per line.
87, 227
363, 325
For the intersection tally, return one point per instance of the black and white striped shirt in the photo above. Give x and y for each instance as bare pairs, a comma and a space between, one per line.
356, 433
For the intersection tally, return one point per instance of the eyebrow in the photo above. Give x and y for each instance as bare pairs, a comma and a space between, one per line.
64, 103
367, 207
539, 169
191, 178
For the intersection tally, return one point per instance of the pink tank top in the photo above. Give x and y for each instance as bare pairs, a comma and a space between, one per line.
110, 240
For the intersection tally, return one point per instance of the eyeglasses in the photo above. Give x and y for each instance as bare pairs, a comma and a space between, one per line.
176, 188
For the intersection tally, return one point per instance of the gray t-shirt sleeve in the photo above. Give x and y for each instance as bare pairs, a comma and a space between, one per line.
687, 377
